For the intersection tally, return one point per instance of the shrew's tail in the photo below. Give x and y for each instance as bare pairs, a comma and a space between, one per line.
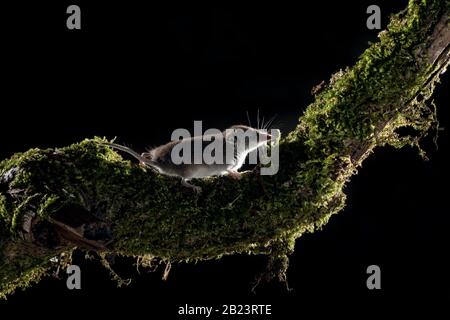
133, 153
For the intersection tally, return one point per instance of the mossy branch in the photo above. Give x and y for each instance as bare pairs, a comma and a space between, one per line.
85, 195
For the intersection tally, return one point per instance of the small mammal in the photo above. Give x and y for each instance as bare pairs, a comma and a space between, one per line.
161, 160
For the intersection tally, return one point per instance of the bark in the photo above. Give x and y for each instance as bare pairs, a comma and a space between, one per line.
85, 195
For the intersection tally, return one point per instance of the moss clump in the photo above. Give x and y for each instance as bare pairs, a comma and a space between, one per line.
145, 214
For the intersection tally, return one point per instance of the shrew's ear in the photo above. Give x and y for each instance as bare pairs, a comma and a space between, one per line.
240, 126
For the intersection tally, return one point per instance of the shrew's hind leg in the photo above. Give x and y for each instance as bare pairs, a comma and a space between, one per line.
235, 174
185, 182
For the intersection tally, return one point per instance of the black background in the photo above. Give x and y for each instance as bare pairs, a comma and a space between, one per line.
140, 71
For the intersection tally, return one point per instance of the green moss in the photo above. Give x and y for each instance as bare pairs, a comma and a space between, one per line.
25, 280
152, 215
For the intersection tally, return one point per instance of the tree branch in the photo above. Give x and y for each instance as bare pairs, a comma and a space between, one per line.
85, 195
